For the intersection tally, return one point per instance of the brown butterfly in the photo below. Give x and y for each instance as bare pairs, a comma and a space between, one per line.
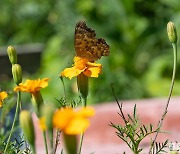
87, 45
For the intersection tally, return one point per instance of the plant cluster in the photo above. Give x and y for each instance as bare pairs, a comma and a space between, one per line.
71, 119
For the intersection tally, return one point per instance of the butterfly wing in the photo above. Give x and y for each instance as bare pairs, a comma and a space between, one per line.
87, 45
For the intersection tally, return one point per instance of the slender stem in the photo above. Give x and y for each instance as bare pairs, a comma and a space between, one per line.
15, 117
45, 141
33, 149
174, 45
64, 89
119, 105
81, 141
50, 132
82, 135
57, 140
20, 106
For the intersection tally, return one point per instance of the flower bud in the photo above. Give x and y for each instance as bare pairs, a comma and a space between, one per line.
27, 126
70, 143
12, 55
47, 111
82, 82
172, 33
37, 102
17, 73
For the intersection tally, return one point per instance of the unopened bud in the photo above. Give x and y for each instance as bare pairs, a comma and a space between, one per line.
47, 111
70, 143
37, 102
17, 73
82, 82
172, 33
27, 126
12, 55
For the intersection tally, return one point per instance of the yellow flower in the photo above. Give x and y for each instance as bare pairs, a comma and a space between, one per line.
32, 86
82, 65
3, 95
42, 123
72, 122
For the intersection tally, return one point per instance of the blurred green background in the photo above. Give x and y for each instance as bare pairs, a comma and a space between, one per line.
140, 61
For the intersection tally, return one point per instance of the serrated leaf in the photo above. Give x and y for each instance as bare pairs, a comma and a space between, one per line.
134, 114
145, 129
130, 118
140, 150
142, 131
151, 127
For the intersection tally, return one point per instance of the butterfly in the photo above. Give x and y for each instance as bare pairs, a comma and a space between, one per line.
87, 45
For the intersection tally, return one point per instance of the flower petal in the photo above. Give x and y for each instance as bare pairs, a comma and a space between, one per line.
80, 63
44, 82
32, 86
93, 70
93, 64
1, 103
71, 72
77, 125
86, 112
3, 95
62, 117
42, 123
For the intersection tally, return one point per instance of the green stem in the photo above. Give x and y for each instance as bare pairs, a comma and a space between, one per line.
82, 135
15, 117
45, 141
56, 142
33, 149
64, 89
174, 45
20, 106
81, 141
50, 132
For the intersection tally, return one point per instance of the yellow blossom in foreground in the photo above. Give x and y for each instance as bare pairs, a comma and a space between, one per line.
32, 86
82, 65
42, 123
72, 122
3, 95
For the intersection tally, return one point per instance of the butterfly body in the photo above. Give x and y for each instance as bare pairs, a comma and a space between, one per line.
87, 45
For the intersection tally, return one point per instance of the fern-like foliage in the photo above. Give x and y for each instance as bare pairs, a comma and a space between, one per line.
62, 102
133, 131
18, 146
158, 148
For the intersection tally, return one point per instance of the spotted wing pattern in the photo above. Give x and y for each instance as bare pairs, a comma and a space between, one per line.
87, 45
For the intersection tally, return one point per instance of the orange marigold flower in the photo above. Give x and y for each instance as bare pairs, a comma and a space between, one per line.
82, 65
32, 86
3, 95
72, 122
